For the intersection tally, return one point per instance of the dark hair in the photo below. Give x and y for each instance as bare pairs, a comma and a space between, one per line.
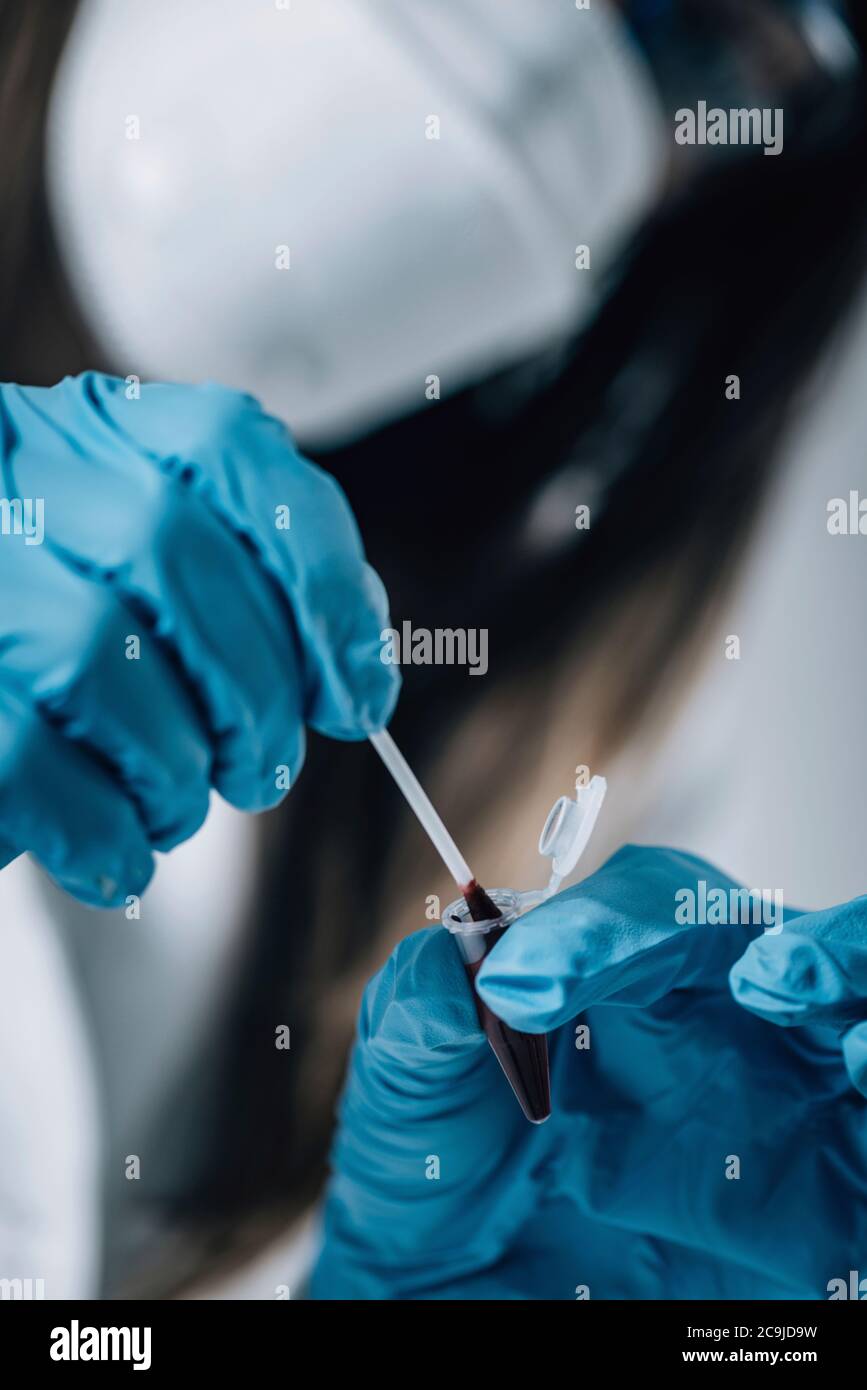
744, 269
41, 334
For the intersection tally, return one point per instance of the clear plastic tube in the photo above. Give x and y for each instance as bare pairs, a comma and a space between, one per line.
522, 1056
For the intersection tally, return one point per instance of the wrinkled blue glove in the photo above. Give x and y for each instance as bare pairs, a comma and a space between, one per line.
693, 1151
186, 519
814, 973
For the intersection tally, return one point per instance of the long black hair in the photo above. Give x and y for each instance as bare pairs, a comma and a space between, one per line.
743, 271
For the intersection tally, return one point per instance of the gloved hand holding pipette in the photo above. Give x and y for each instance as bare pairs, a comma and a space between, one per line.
685, 1129
183, 594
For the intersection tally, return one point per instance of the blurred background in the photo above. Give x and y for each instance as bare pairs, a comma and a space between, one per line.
370, 215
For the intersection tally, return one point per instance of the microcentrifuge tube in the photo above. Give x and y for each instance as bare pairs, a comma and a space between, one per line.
479, 922
522, 1056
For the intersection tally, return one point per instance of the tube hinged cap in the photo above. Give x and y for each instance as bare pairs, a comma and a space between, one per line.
569, 827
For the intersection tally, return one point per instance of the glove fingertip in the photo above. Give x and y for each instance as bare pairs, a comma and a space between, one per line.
787, 979
113, 888
358, 694
855, 1056
754, 985
530, 1005
261, 788
419, 1005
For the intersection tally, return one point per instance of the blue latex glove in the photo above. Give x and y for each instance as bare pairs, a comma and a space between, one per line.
624, 1191
163, 521
815, 972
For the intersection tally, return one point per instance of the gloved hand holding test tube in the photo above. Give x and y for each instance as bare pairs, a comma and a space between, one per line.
663, 1064
479, 920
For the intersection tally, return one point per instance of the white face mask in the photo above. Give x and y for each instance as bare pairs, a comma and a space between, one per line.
252, 192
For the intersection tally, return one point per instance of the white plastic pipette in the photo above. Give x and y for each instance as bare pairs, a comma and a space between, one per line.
423, 807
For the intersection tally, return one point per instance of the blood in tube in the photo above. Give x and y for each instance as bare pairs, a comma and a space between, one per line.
522, 1056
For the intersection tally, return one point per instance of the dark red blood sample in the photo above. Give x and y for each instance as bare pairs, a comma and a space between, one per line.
480, 905
523, 1056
